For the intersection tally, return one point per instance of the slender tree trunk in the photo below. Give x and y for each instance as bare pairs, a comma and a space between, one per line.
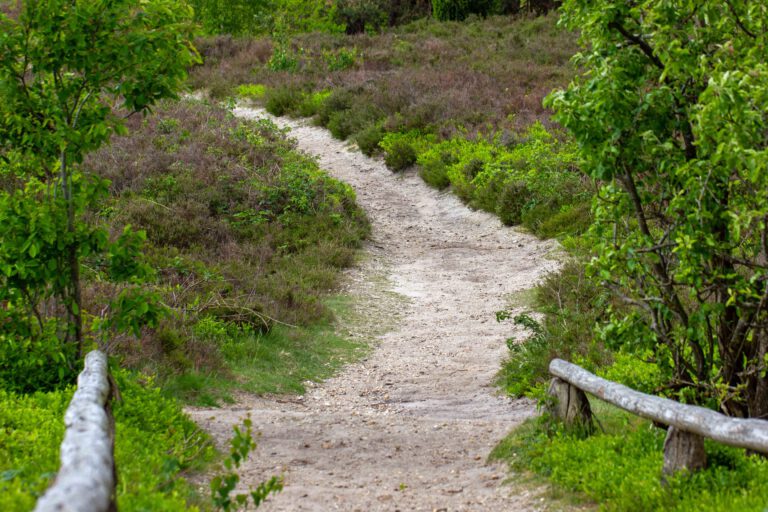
74, 307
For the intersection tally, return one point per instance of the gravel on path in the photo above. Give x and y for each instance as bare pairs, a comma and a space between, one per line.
410, 426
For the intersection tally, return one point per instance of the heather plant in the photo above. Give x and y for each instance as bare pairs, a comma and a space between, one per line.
245, 237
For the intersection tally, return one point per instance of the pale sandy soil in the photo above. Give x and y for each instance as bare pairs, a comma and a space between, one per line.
409, 427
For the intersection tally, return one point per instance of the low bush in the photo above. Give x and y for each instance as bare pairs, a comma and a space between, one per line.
342, 59
400, 155
283, 100
40, 364
252, 91
433, 167
457, 10
312, 103
359, 16
570, 304
532, 180
401, 149
368, 139
511, 201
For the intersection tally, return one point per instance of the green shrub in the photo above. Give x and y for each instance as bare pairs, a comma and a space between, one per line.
283, 56
359, 16
513, 198
368, 139
457, 10
634, 370
571, 304
569, 219
433, 167
337, 101
312, 103
341, 59
400, 155
42, 363
344, 123
235, 17
251, 91
620, 468
281, 101
340, 124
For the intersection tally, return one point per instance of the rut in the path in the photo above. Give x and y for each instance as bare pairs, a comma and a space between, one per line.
410, 427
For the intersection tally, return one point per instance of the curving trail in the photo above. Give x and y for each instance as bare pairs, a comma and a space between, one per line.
409, 427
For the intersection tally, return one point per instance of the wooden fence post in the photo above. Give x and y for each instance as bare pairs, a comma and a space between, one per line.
683, 451
570, 405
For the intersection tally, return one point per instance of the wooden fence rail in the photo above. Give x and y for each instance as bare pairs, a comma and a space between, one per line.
689, 424
86, 479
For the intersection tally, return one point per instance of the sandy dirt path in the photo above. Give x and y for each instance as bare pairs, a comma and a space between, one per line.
409, 427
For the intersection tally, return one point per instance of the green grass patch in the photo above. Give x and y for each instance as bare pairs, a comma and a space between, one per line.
620, 469
280, 361
156, 446
252, 91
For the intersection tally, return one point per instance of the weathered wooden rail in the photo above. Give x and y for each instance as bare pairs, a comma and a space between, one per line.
86, 479
688, 424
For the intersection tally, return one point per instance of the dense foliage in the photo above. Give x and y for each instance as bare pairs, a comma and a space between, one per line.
671, 114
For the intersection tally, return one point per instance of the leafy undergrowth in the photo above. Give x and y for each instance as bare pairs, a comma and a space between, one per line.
246, 238
565, 306
156, 445
462, 101
620, 468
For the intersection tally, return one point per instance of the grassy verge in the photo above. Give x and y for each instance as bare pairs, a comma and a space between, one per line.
620, 467
280, 361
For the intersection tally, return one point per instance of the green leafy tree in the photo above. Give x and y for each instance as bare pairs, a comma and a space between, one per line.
671, 113
70, 72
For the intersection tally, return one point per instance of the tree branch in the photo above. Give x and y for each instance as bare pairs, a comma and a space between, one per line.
637, 41
738, 20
